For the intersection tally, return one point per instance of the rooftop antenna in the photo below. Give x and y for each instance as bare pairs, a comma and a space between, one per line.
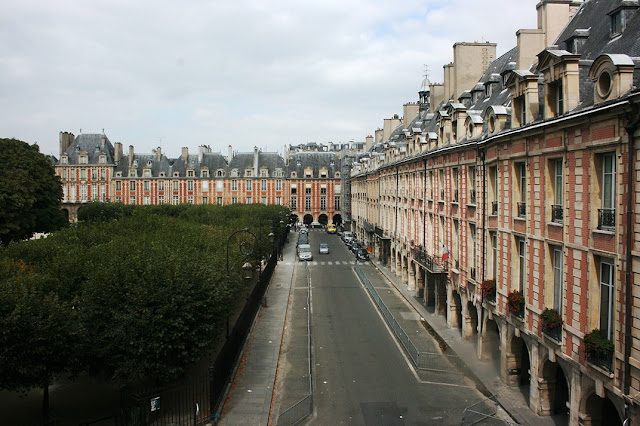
426, 70
80, 130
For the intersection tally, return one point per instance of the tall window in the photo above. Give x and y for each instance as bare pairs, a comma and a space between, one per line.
205, 186
455, 185
493, 179
557, 208
219, 201
83, 174
307, 203
160, 185
494, 254
472, 184
94, 174
234, 200
522, 261
94, 191
175, 185
472, 250
263, 200
189, 185
118, 185
606, 298
174, 200
558, 98
219, 185
132, 185
279, 185
146, 185
279, 201
294, 203
556, 253
337, 203
521, 170
249, 200
323, 203
234, 185
132, 199
249, 186
607, 214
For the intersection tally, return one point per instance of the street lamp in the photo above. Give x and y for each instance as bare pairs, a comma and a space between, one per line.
247, 249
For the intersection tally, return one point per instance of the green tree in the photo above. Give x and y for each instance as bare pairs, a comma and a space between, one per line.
30, 192
39, 332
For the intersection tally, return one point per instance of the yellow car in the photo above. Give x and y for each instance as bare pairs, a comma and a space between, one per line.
331, 229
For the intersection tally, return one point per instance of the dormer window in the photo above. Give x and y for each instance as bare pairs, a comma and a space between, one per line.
83, 159
64, 160
161, 174
557, 98
294, 174
234, 173
612, 75
204, 173
102, 159
190, 173
264, 173
616, 23
176, 174
248, 173
220, 173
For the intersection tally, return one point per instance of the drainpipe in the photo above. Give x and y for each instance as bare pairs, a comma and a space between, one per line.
630, 128
424, 209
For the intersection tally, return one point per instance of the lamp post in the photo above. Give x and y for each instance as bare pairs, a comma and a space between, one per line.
247, 249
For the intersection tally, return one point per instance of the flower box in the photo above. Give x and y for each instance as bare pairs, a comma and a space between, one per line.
515, 303
599, 350
552, 324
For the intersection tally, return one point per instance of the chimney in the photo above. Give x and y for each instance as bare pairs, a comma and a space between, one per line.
202, 149
117, 152
103, 140
66, 139
255, 160
185, 154
130, 155
437, 95
470, 61
410, 111
368, 142
230, 155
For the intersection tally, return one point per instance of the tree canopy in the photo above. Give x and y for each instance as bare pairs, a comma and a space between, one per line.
30, 192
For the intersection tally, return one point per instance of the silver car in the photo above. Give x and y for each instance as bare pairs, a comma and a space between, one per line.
323, 248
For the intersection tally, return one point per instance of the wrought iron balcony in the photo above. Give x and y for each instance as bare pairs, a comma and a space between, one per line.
557, 213
602, 361
606, 218
432, 263
554, 333
494, 208
522, 209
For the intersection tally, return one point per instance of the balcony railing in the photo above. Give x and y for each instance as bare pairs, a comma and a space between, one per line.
606, 218
522, 209
604, 361
472, 196
430, 262
555, 333
455, 196
494, 208
557, 213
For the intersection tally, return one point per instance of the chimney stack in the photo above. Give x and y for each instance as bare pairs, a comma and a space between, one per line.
159, 154
130, 155
117, 152
66, 139
230, 155
185, 154
255, 160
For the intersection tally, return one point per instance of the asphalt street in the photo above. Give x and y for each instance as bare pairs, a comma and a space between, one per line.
361, 376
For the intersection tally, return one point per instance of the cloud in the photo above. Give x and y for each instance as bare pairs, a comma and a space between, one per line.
247, 73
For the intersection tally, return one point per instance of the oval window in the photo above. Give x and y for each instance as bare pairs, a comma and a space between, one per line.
604, 84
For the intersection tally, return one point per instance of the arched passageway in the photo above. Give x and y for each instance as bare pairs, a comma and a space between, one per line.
293, 218
519, 366
491, 344
323, 219
430, 292
471, 321
455, 310
307, 219
337, 219
554, 393
600, 411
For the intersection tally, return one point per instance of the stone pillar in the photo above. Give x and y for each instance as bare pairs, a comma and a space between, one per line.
467, 324
405, 269
575, 394
534, 368
411, 285
452, 318
420, 280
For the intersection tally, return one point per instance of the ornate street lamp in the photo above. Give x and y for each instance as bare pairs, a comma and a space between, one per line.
247, 249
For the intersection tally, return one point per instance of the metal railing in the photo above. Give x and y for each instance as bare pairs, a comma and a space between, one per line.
522, 209
303, 408
494, 208
431, 361
428, 261
606, 218
557, 213
484, 412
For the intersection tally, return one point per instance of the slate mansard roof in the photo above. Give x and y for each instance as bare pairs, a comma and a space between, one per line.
91, 144
299, 161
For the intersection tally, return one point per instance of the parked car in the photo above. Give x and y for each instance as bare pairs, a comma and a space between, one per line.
316, 225
303, 239
362, 254
323, 248
331, 228
346, 235
339, 230
304, 252
303, 230
355, 246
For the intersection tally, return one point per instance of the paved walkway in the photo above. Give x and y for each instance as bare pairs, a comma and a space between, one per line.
511, 399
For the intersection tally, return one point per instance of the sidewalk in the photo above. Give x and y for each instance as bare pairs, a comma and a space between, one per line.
511, 399
249, 399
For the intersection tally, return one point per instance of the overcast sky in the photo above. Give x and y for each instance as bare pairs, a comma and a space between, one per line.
243, 73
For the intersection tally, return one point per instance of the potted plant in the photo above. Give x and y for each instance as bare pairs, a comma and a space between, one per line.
489, 290
598, 349
515, 303
552, 324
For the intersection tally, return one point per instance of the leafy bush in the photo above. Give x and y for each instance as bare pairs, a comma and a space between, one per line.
597, 346
489, 289
551, 320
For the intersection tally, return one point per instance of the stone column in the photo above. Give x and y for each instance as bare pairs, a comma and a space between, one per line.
411, 286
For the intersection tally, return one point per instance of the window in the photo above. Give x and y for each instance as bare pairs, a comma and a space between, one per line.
83, 174
336, 189
336, 203
174, 185
323, 203
219, 185
175, 200
64, 160
263, 200
219, 201
279, 201
323, 190
471, 250
607, 214
494, 254
556, 253
557, 207
278, 185
606, 298
294, 203
472, 185
103, 192
146, 185
558, 98
161, 199
132, 199
190, 173
234, 173
521, 109
94, 191
94, 174
455, 184
307, 189
521, 174
83, 159
189, 185
204, 173
616, 23
234, 200
234, 185
249, 200
522, 263
263, 173
190, 199
118, 185
147, 173
160, 185
132, 185
307, 203
103, 174
72, 193
205, 186
441, 182
147, 200
493, 182
263, 185
249, 185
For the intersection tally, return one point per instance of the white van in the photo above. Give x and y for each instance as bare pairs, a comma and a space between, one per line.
304, 252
